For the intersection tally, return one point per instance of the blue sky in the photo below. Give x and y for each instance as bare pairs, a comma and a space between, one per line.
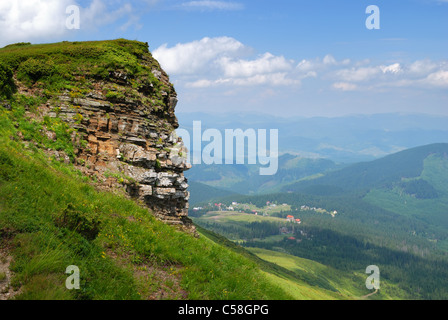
286, 57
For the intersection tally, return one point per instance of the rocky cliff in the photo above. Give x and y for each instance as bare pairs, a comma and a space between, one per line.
121, 104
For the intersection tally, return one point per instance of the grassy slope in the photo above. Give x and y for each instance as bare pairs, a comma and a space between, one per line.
51, 219
228, 217
324, 276
277, 273
307, 279
349, 285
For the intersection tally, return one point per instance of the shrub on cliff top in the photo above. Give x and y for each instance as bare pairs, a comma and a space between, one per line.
95, 59
35, 69
7, 86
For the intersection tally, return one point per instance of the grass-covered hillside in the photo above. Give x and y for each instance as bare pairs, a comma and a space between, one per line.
52, 216
383, 172
411, 183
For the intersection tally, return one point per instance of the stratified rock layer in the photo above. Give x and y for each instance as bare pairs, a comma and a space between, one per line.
125, 136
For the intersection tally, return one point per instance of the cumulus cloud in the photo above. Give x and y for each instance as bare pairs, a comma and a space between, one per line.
393, 68
22, 20
311, 67
207, 5
329, 60
358, 74
273, 79
197, 56
438, 79
306, 65
221, 61
226, 62
42, 20
345, 86
422, 67
266, 63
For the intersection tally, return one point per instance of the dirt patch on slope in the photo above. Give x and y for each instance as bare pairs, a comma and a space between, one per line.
154, 281
6, 290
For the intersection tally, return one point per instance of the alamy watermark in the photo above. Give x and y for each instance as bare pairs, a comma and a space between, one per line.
373, 281
233, 146
373, 20
72, 281
73, 20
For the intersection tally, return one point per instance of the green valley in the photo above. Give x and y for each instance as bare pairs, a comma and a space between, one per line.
390, 212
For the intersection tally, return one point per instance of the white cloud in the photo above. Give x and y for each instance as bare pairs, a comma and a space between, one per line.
226, 62
212, 5
266, 63
42, 20
367, 73
425, 74
23, 20
358, 74
197, 56
422, 67
274, 79
393, 68
345, 86
306, 65
202, 83
310, 67
329, 60
212, 62
438, 79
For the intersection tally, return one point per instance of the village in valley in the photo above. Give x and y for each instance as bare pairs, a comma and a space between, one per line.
271, 209
269, 221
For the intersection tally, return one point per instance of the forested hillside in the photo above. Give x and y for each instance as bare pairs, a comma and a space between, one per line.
378, 173
389, 212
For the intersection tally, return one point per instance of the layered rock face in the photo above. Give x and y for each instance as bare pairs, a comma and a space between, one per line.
125, 137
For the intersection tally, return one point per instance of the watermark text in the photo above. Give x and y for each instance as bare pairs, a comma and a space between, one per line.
233, 146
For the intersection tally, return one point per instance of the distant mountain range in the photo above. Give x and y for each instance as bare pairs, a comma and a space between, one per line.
347, 139
245, 179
